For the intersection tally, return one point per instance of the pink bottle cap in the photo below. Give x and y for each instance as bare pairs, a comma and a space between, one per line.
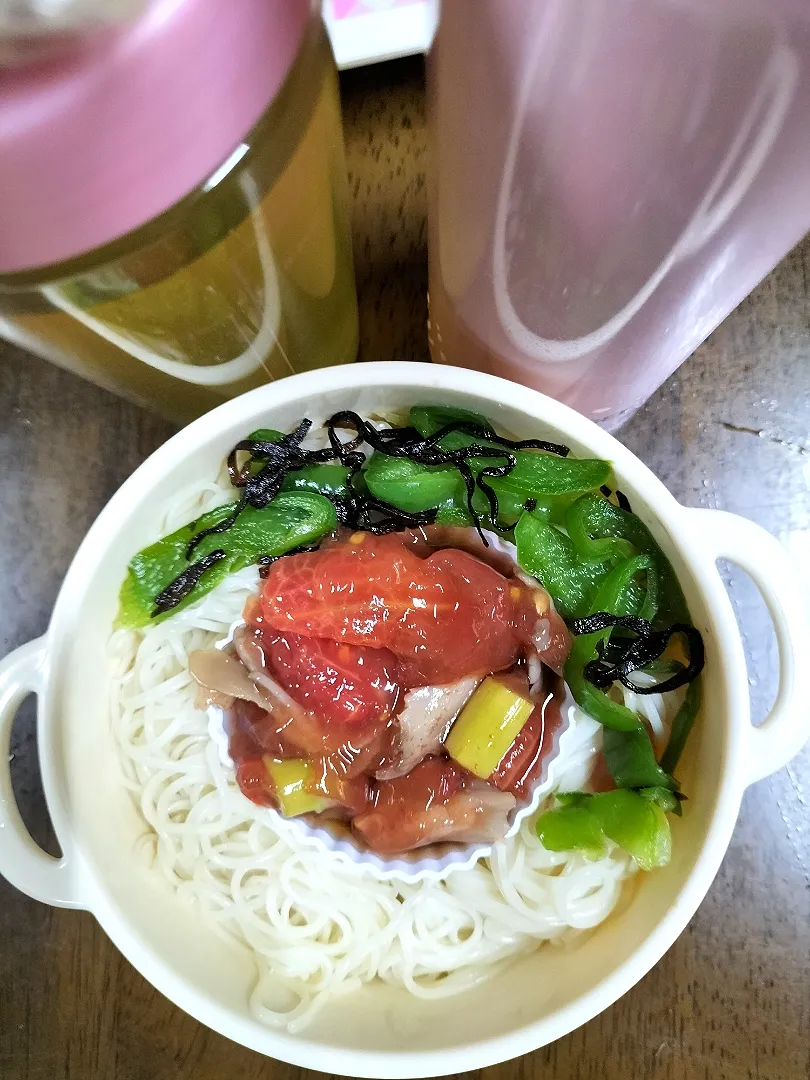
99, 139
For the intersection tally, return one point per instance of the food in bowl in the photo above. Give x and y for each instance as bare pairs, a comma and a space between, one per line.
389, 628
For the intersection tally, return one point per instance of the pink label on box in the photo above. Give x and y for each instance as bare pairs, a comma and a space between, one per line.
345, 9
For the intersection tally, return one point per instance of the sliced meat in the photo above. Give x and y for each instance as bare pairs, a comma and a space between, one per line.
552, 640
253, 732
247, 643
421, 726
222, 678
437, 801
462, 538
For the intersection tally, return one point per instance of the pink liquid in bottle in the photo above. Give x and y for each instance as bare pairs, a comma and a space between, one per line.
610, 179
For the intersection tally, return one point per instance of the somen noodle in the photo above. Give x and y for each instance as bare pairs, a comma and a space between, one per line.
317, 925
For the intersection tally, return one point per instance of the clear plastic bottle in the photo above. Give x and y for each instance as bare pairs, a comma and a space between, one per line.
610, 179
174, 293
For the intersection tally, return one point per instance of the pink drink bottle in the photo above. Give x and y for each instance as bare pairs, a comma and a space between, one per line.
610, 178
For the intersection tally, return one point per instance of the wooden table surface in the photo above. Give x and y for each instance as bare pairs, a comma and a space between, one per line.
731, 999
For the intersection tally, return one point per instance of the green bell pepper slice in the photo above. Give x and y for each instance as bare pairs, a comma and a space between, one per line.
412, 487
511, 505
614, 596
552, 482
627, 748
600, 530
291, 520
536, 473
428, 419
681, 726
634, 820
548, 554
327, 479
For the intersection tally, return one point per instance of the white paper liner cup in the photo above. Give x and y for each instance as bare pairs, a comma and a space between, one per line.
434, 861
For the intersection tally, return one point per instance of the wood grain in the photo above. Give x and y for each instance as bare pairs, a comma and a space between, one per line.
386, 148
731, 1000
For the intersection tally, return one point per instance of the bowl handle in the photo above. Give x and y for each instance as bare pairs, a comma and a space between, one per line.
22, 862
786, 728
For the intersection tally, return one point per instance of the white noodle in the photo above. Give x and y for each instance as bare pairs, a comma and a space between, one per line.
317, 926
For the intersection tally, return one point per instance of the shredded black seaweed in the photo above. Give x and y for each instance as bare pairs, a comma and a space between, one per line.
408, 443
185, 581
484, 431
260, 477
266, 561
629, 655
621, 499
260, 487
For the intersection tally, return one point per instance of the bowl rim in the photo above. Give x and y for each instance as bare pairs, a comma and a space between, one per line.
297, 1049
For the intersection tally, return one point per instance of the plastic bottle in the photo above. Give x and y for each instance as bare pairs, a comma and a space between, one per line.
173, 198
610, 178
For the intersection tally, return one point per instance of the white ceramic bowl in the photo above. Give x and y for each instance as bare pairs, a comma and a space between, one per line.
380, 1031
